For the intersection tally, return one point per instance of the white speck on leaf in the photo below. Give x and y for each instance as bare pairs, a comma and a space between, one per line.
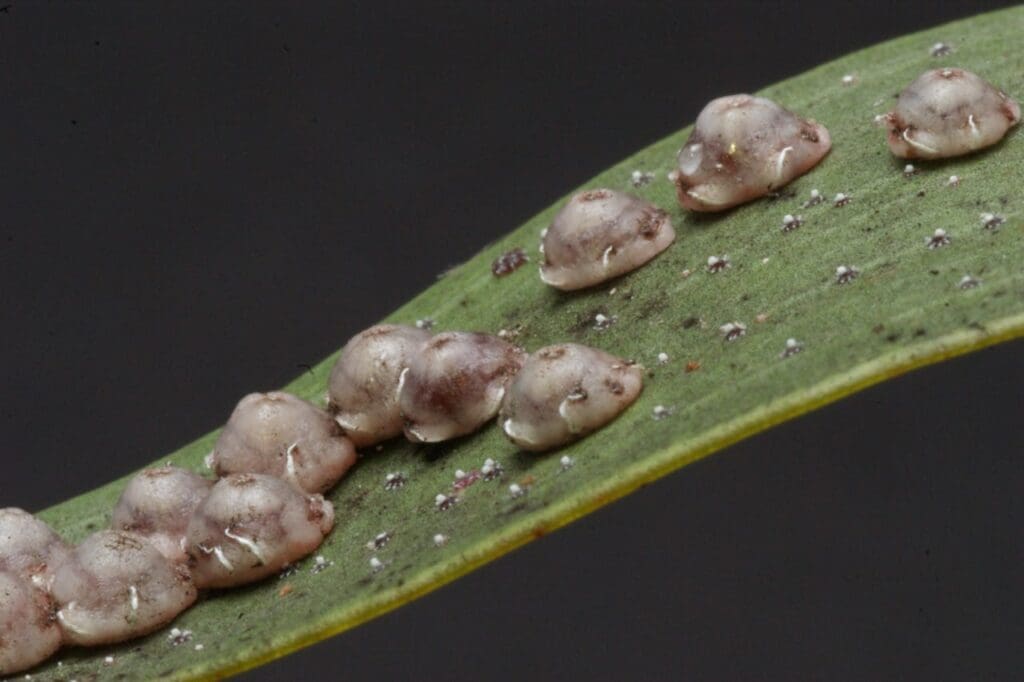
791, 222
969, 282
792, 348
846, 274
938, 239
661, 412
992, 221
733, 330
718, 263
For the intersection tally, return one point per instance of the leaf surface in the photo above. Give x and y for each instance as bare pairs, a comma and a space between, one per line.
906, 309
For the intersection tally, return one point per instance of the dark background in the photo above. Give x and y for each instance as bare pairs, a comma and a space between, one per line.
195, 200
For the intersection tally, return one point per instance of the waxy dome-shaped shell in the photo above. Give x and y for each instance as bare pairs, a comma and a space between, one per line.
118, 586
29, 547
363, 386
565, 391
158, 504
28, 632
455, 384
949, 112
282, 435
744, 147
252, 525
600, 234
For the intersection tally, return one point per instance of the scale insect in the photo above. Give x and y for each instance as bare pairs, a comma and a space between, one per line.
742, 148
600, 234
948, 112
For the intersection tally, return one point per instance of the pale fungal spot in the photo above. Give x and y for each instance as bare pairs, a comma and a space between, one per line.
815, 199
376, 564
742, 148
992, 221
841, 200
686, 273
789, 223
109, 660
969, 282
515, 490
158, 503
94, 596
641, 178
600, 234
565, 392
848, 80
764, 261
394, 480
282, 435
938, 239
491, 469
445, 502
178, 637
251, 526
602, 322
208, 460
949, 112
761, 318
662, 358
953, 181
28, 633
909, 171
363, 385
425, 323
733, 330
792, 348
455, 383
661, 412
566, 462
440, 540
846, 274
718, 263
198, 647
941, 50
378, 541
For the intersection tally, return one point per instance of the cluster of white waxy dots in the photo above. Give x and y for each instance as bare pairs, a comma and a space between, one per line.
175, 533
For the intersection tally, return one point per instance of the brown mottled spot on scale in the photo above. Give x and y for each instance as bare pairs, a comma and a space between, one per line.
809, 133
315, 511
650, 222
241, 481
122, 542
157, 472
594, 195
615, 387
551, 353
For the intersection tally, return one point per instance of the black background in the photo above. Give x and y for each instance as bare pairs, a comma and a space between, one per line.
196, 200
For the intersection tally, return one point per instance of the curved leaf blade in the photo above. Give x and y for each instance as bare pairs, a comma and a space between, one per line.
904, 311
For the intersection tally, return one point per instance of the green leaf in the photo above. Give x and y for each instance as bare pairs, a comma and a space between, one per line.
905, 310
